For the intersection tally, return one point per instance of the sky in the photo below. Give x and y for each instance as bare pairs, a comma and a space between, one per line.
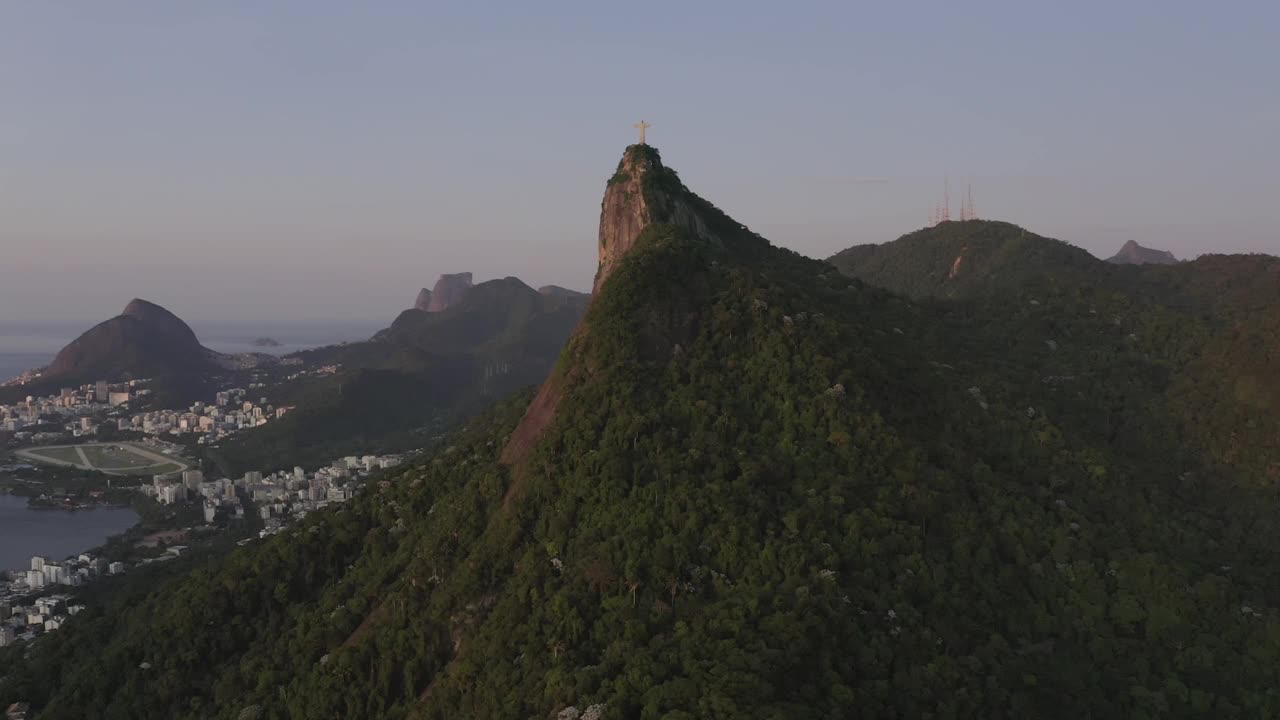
317, 161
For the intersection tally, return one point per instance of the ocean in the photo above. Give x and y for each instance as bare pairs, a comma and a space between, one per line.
24, 346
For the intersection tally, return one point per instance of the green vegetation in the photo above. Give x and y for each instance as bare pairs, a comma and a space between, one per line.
114, 457
421, 375
67, 455
772, 491
121, 458
355, 412
1194, 345
66, 486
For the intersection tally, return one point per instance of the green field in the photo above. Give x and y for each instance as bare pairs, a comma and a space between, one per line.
114, 458
162, 469
63, 455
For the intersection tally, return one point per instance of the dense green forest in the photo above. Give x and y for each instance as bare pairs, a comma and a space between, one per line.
770, 490
1209, 330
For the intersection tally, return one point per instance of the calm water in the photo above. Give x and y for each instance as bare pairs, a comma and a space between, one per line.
55, 534
292, 338
13, 364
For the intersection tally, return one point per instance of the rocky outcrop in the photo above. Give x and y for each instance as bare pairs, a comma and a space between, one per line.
642, 192
1134, 254
423, 302
448, 291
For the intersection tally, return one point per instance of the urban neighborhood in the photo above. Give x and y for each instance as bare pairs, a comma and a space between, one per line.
39, 599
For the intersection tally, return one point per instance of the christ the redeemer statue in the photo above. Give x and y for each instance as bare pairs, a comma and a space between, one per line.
642, 125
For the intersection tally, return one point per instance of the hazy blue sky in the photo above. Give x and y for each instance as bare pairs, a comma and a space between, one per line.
313, 159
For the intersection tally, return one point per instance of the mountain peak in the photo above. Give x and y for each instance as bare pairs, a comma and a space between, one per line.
423, 302
448, 291
143, 340
158, 320
644, 192
625, 211
1134, 254
138, 306
960, 259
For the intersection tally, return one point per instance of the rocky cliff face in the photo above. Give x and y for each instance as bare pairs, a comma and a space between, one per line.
448, 291
1134, 254
643, 192
423, 302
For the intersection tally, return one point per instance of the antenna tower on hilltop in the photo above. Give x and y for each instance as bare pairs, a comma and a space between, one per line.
967, 210
946, 195
941, 212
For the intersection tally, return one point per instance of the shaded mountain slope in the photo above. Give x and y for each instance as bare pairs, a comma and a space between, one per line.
766, 490
448, 291
1209, 326
957, 259
423, 374
144, 340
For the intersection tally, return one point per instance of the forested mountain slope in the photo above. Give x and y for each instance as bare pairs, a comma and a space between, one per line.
426, 372
960, 259
756, 489
1207, 331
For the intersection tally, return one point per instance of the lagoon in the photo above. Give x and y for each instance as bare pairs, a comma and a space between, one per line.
55, 534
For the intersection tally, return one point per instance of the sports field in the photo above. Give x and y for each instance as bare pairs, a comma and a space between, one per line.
114, 458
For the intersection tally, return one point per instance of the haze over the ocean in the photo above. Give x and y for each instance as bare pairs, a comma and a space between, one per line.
323, 160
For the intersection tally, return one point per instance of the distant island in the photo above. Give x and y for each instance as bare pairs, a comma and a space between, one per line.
266, 342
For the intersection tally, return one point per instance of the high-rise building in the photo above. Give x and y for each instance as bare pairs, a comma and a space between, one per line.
100, 391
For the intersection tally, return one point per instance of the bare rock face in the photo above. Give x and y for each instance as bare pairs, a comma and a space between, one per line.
1134, 254
635, 199
423, 302
448, 291
641, 193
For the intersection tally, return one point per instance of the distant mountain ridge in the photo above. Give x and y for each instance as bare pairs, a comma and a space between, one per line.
144, 341
1134, 254
955, 259
449, 290
1215, 320
426, 371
